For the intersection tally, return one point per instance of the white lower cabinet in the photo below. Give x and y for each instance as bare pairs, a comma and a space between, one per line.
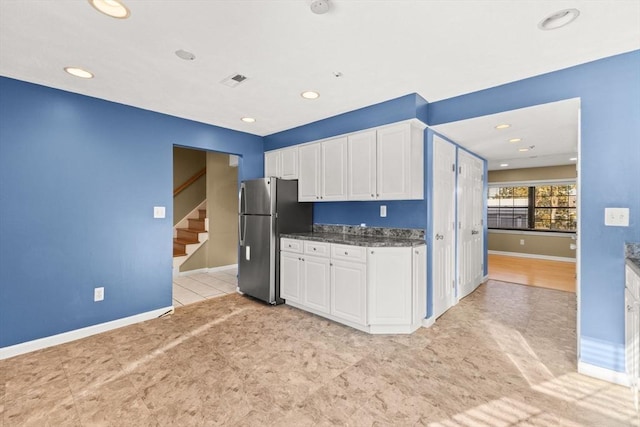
291, 276
632, 330
349, 291
389, 271
376, 290
315, 281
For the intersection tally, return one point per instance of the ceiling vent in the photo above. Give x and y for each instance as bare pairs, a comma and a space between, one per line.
233, 80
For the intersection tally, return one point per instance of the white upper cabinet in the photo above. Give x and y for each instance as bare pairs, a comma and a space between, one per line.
361, 168
309, 172
334, 170
289, 163
282, 163
384, 163
272, 163
400, 165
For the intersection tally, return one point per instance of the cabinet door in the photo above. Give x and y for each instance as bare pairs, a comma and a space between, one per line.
272, 163
289, 163
309, 173
291, 276
334, 169
361, 169
394, 162
419, 283
389, 286
315, 271
349, 291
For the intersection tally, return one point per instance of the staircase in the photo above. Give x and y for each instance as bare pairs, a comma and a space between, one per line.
189, 234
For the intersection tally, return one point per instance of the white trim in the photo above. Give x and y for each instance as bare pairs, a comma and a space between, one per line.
222, 268
29, 346
428, 322
533, 183
535, 256
206, 270
604, 374
531, 233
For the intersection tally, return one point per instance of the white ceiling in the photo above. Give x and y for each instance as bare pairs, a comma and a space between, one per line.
384, 49
551, 129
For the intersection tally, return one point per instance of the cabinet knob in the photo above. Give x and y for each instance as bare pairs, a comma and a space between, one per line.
346, 253
372, 252
377, 195
372, 196
314, 249
629, 308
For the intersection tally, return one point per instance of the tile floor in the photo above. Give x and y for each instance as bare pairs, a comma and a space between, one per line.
200, 286
504, 356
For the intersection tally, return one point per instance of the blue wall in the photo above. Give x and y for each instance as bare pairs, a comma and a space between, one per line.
610, 175
79, 178
405, 213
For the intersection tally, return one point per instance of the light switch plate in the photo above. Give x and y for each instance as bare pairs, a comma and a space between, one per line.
159, 212
616, 217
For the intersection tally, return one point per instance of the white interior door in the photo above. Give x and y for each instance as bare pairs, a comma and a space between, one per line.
470, 236
443, 233
478, 197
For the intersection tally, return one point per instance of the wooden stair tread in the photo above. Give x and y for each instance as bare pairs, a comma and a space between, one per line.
183, 241
192, 230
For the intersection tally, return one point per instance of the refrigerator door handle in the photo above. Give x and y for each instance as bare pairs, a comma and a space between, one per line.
241, 229
242, 202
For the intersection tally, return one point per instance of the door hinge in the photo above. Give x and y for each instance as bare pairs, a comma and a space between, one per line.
453, 167
460, 225
460, 169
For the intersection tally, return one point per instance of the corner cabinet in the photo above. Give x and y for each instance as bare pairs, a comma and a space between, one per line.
379, 290
632, 329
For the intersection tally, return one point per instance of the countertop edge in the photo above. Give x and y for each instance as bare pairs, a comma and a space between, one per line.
353, 240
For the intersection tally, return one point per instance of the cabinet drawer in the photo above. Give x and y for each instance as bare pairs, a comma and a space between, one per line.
350, 253
316, 248
291, 245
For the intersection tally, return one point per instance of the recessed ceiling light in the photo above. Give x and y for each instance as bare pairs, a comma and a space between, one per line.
515, 140
79, 72
113, 8
503, 126
320, 6
310, 94
559, 19
248, 119
573, 159
504, 165
183, 54
523, 149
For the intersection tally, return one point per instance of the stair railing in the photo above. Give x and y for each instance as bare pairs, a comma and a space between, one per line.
190, 181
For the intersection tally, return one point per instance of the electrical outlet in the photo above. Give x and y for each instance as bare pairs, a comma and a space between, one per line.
617, 217
522, 242
98, 294
383, 211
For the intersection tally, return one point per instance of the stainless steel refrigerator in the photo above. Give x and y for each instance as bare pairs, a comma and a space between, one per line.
268, 207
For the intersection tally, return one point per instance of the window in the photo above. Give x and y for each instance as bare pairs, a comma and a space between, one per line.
540, 207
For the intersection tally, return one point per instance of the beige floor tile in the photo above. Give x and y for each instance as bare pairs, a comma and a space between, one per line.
505, 355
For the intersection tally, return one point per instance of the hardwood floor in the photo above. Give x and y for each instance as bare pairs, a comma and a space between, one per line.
557, 275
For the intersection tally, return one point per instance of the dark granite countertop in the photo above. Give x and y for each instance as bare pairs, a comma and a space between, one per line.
356, 240
632, 255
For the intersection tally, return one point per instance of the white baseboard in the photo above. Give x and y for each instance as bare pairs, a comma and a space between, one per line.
206, 270
222, 268
428, 322
39, 344
604, 374
536, 256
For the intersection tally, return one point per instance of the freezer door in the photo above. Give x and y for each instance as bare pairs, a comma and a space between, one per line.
256, 275
256, 196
